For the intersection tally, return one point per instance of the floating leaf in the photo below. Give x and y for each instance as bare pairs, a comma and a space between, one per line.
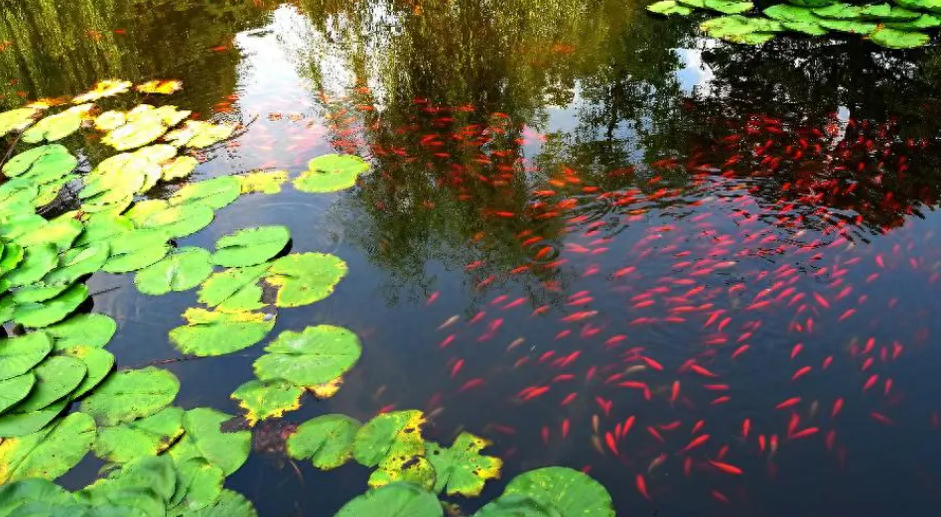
20, 496
409, 468
886, 12
728, 6
740, 29
143, 437
131, 394
461, 469
264, 182
60, 231
209, 333
567, 491
840, 11
22, 424
330, 173
100, 227
198, 134
180, 221
264, 400
925, 21
326, 390
397, 433
512, 505
135, 134
790, 13
78, 262
160, 86
234, 289
250, 246
893, 38
15, 389
181, 270
18, 355
48, 453
205, 438
305, 278
18, 119
99, 364
394, 500
82, 330
915, 5
314, 356
41, 164
200, 484
145, 484
110, 120
102, 89
56, 377
11, 257
58, 126
809, 28
215, 193
327, 441
42, 314
136, 250
851, 26
38, 260
179, 167
229, 504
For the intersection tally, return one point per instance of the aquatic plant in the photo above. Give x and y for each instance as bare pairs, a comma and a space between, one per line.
891, 26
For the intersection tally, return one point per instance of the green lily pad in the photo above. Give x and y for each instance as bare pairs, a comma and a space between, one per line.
38, 260
180, 221
16, 120
83, 330
331, 173
397, 433
409, 468
15, 389
461, 469
41, 164
327, 441
58, 126
99, 363
728, 6
264, 400
515, 506
198, 134
141, 210
229, 504
235, 289
102, 89
16, 199
209, 333
840, 11
60, 231
262, 182
78, 262
42, 314
11, 257
925, 21
102, 227
110, 120
49, 192
215, 193
394, 500
305, 278
669, 8
790, 13
741, 29
314, 356
181, 270
851, 26
178, 168
37, 292
809, 28
22, 424
204, 438
893, 38
131, 394
146, 484
47, 453
200, 484
56, 377
135, 133
915, 5
20, 354
250, 246
19, 496
886, 12
567, 491
136, 250
147, 436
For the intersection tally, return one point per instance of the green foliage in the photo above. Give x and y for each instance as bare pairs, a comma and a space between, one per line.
264, 400
894, 38
394, 500
146, 436
205, 438
314, 356
47, 453
212, 333
330, 173
131, 394
250, 246
327, 441
302, 279
461, 469
181, 270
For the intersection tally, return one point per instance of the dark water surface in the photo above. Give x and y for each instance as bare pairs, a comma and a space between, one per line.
652, 199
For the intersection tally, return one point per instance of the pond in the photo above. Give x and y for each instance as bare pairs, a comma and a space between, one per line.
705, 274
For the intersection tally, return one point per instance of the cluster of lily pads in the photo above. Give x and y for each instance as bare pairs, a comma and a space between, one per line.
163, 459
892, 26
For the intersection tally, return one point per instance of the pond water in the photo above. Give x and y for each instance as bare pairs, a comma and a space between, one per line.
577, 213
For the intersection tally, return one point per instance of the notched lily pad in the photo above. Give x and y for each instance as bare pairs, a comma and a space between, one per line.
131, 394
327, 441
394, 500
250, 246
330, 173
461, 469
205, 438
181, 270
397, 433
209, 333
305, 278
314, 356
264, 400
147, 436
48, 453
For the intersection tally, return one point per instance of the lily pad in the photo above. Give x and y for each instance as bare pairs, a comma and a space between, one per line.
894, 38
101, 227
840, 11
331, 173
102, 89
229, 504
15, 389
11, 257
179, 167
47, 453
131, 394
145, 484
42, 314
264, 400
568, 491
741, 29
60, 231
250, 246
790, 13
56, 377
58, 126
17, 120
78, 262
461, 469
22, 424
209, 333
181, 270
82, 330
515, 506
409, 468
851, 26
886, 12
263, 182
41, 164
38, 260
314, 356
17, 495
18, 355
302, 279
235, 289
391, 434
200, 484
394, 500
160, 86
915, 5
99, 363
110, 120
180, 221
925, 21
205, 438
147, 436
327, 441
136, 250
728, 6
215, 193
199, 134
